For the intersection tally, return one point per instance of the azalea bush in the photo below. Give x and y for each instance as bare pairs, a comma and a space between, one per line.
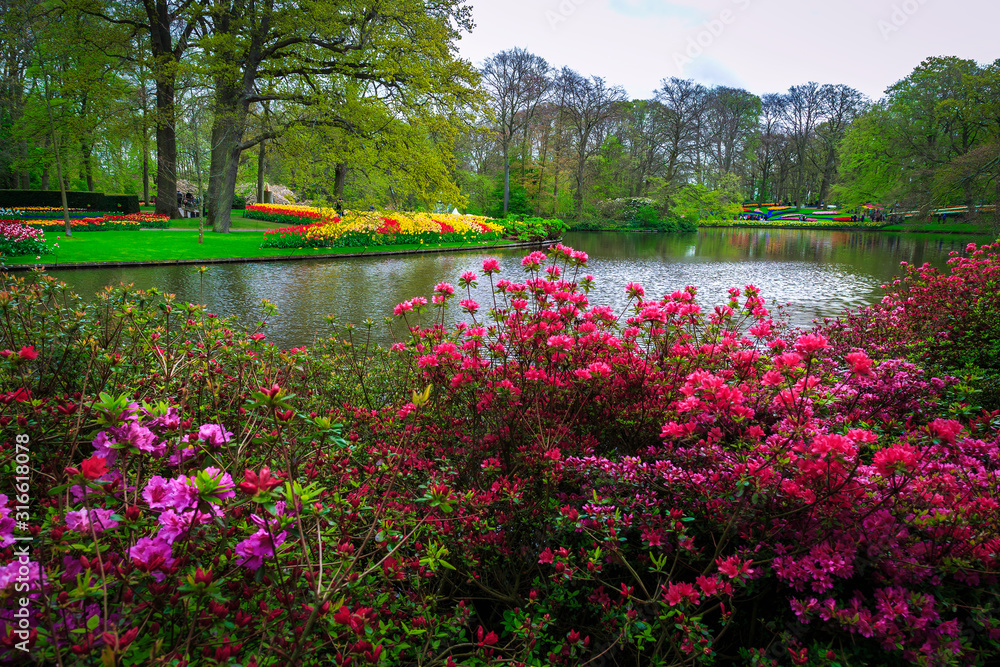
948, 320
548, 482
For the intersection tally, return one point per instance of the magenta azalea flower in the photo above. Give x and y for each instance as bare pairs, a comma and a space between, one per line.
214, 434
157, 493
175, 525
7, 524
151, 553
257, 547
81, 521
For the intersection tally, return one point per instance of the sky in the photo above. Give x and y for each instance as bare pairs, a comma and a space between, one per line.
764, 46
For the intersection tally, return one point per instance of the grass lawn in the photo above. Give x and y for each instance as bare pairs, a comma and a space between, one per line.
938, 227
173, 245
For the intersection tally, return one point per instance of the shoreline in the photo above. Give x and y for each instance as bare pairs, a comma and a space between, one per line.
48, 266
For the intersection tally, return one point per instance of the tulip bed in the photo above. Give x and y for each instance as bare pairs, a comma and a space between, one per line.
548, 483
365, 229
17, 238
102, 223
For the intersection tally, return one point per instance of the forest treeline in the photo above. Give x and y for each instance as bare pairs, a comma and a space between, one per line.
369, 101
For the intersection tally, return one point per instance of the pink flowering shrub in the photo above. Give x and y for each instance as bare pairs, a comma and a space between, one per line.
552, 482
945, 320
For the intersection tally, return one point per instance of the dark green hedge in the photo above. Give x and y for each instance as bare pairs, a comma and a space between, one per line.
92, 201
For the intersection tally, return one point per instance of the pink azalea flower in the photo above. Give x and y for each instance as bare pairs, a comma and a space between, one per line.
81, 521
157, 493
860, 363
183, 493
175, 525
214, 434
898, 458
141, 438
708, 585
152, 553
678, 592
257, 547
811, 343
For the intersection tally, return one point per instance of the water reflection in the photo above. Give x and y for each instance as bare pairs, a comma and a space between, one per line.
819, 272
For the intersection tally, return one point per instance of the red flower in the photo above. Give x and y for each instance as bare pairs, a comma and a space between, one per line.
28, 352
93, 467
253, 483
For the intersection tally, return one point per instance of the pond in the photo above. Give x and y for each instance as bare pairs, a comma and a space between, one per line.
818, 272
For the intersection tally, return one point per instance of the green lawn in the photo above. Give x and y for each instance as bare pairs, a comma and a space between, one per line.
938, 227
237, 221
173, 245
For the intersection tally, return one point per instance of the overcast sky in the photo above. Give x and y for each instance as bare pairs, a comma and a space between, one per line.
764, 46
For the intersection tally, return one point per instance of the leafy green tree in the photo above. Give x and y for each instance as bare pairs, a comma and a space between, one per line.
396, 59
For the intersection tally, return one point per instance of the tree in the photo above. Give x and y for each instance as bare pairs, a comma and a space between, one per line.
841, 105
296, 54
913, 145
732, 118
589, 104
515, 82
170, 27
802, 112
683, 101
15, 56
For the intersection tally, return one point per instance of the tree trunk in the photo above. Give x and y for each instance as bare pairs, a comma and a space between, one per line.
227, 134
145, 172
45, 178
506, 180
541, 168
260, 172
828, 171
88, 171
340, 175
25, 175
222, 173
166, 150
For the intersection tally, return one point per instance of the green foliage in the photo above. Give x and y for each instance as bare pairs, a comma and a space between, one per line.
534, 229
695, 202
517, 204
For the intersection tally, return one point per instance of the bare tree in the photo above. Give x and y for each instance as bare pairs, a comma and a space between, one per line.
804, 107
771, 143
589, 104
683, 102
731, 123
516, 81
841, 105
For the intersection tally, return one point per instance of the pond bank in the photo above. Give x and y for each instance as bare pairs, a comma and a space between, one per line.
269, 258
